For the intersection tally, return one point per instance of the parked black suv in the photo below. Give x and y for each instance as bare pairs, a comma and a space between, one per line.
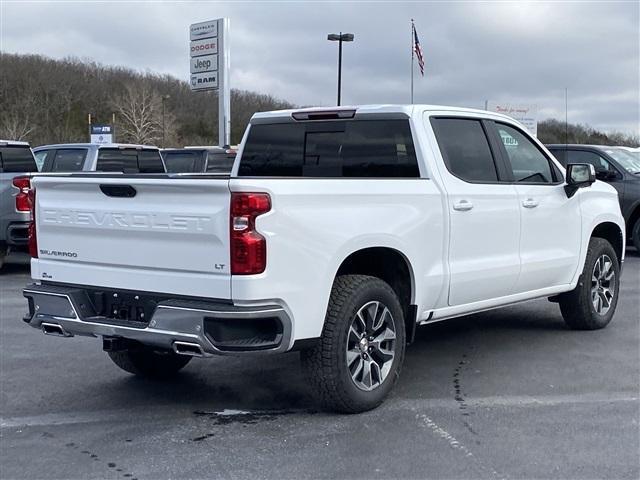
616, 166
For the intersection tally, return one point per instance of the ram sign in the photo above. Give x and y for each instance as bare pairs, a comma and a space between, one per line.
203, 81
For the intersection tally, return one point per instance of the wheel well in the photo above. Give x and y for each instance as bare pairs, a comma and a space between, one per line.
612, 233
390, 266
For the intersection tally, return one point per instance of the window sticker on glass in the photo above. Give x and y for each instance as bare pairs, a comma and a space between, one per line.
508, 140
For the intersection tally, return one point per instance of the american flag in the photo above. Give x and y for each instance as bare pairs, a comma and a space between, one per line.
417, 49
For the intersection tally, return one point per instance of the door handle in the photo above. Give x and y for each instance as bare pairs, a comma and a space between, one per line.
463, 206
126, 191
530, 203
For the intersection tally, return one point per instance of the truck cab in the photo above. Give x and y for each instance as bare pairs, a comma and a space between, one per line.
94, 157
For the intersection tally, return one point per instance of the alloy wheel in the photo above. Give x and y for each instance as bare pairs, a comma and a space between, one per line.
603, 285
371, 343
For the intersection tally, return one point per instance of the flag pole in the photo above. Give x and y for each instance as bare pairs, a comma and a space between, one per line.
412, 49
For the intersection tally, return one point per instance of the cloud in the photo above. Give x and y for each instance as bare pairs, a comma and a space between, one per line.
525, 52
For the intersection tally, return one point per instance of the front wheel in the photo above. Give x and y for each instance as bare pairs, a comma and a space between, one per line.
147, 362
361, 350
592, 303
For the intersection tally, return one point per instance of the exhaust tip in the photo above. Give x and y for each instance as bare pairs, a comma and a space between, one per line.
188, 348
54, 329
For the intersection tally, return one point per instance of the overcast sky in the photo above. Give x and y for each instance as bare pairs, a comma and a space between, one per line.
518, 51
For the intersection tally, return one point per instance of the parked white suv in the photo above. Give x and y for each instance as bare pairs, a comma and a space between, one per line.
337, 233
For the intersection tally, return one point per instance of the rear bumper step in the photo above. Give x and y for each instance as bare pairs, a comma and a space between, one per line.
195, 328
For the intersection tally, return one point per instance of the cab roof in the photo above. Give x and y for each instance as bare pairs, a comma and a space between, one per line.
97, 145
383, 109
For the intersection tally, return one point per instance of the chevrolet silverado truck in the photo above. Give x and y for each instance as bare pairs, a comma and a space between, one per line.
337, 233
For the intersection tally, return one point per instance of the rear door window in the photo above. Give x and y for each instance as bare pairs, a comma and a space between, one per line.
17, 159
465, 149
351, 148
69, 160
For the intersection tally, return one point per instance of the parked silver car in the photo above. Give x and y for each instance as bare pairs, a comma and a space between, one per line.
16, 160
92, 157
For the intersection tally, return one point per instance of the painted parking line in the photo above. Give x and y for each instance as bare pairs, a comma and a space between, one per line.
115, 415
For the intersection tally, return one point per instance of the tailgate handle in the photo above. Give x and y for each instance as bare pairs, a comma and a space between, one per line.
126, 191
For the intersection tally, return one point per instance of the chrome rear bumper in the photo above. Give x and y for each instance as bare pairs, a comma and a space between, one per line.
174, 324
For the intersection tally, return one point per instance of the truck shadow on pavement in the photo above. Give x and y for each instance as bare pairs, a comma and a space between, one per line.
276, 385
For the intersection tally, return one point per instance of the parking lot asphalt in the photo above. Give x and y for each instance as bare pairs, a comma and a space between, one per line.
510, 393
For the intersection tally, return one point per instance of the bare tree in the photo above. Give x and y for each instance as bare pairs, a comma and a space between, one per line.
139, 114
15, 125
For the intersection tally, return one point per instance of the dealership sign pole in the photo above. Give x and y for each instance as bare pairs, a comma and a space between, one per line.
209, 57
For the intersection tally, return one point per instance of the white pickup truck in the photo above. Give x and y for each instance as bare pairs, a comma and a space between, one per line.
337, 232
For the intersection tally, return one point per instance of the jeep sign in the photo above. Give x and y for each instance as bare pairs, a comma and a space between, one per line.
206, 63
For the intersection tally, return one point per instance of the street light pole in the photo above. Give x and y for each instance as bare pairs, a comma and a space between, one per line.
342, 37
164, 98
339, 67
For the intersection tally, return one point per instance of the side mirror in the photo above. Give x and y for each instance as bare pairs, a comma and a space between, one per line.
579, 175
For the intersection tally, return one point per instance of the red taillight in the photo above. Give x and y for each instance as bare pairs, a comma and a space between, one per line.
23, 184
248, 247
33, 239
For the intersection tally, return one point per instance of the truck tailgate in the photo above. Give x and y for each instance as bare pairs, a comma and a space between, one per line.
155, 234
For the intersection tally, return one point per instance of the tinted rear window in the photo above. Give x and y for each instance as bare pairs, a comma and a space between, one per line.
129, 161
184, 161
150, 161
465, 149
220, 162
69, 160
354, 148
17, 159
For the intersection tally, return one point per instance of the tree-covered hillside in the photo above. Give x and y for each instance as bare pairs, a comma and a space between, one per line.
48, 101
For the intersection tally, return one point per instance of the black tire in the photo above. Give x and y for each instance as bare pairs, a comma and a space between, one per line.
635, 235
576, 306
326, 364
150, 363
3, 255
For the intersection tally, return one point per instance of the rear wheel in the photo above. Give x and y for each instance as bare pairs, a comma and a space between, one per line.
147, 362
3, 255
361, 351
592, 303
